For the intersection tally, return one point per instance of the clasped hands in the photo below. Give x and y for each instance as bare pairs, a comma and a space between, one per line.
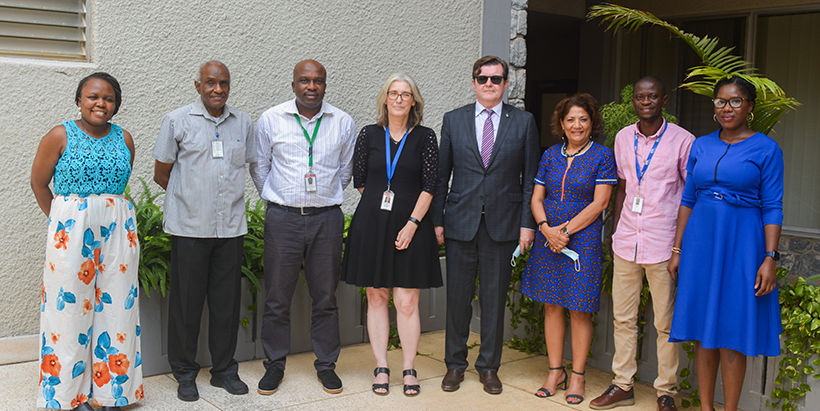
556, 239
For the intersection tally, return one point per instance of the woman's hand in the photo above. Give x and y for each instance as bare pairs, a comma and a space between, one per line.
406, 235
766, 277
557, 240
673, 265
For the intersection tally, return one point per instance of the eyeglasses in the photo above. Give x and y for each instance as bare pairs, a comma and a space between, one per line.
494, 79
642, 97
392, 95
735, 102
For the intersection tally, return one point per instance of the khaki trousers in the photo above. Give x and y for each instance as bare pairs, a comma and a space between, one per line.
627, 283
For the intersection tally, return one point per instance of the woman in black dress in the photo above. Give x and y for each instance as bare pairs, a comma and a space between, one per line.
390, 244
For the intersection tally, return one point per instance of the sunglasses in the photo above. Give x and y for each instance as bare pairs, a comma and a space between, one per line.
494, 79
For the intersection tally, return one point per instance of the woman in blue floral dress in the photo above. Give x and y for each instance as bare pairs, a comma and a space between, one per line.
572, 189
89, 322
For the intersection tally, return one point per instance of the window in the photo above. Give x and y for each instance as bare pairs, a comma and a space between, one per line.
43, 28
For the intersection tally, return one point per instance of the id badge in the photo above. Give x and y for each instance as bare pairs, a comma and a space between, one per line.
387, 200
310, 182
216, 149
637, 204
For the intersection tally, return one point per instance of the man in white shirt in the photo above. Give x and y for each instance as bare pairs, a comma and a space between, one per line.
305, 151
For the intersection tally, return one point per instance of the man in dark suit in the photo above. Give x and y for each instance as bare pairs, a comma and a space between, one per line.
491, 149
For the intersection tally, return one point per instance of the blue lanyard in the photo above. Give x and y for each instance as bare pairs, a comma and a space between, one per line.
391, 165
638, 170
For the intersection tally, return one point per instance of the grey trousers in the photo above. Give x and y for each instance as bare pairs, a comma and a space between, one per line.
490, 261
290, 239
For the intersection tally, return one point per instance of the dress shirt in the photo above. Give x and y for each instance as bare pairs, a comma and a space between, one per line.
481, 117
205, 195
647, 238
282, 159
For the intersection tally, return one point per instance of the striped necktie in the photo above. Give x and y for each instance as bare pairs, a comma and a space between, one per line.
487, 139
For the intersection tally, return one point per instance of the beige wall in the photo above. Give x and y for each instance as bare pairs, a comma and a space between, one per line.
153, 48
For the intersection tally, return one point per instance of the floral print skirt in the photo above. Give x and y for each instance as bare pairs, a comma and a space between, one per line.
89, 320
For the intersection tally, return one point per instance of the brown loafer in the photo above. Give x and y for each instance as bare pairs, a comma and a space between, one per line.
666, 403
492, 385
613, 397
452, 380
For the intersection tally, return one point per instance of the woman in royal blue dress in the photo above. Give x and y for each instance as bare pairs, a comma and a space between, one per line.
725, 247
572, 189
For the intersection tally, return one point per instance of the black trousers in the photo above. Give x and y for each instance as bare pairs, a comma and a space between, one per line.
490, 261
316, 240
204, 268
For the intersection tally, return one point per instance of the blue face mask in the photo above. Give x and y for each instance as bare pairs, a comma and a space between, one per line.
515, 255
573, 256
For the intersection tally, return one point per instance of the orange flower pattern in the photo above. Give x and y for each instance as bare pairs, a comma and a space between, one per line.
100, 348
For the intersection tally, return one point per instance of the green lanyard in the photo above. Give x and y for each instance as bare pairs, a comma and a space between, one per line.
309, 138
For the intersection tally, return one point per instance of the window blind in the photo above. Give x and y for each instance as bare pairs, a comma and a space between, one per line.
43, 28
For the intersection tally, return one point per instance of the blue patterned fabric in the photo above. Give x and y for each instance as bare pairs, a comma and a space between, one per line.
551, 277
90, 165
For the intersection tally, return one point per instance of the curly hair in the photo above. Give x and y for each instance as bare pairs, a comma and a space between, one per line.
108, 79
584, 101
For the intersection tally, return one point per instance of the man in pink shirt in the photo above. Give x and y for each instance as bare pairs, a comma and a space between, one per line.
651, 157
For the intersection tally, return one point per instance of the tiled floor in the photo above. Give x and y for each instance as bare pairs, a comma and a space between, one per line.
521, 374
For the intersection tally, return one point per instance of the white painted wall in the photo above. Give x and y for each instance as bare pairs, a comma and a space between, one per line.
154, 48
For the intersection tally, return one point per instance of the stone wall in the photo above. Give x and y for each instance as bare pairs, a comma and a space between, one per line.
518, 53
800, 255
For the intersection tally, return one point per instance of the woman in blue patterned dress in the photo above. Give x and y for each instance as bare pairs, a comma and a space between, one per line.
726, 246
89, 320
572, 189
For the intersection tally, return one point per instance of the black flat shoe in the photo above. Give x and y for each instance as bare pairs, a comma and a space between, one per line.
385, 386
408, 387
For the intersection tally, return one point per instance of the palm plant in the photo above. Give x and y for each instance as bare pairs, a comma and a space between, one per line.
771, 104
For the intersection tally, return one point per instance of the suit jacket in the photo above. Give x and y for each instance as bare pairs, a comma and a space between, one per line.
503, 190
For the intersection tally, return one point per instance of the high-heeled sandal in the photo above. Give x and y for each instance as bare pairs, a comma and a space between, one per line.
384, 386
544, 393
579, 398
408, 387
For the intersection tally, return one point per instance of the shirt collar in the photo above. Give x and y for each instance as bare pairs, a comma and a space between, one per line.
199, 110
660, 130
497, 109
291, 108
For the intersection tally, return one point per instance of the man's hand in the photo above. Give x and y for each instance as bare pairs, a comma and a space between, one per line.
526, 237
440, 234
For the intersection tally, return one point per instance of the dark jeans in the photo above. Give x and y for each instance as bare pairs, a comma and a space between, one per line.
200, 268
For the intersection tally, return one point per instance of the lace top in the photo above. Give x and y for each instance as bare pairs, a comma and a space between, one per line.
90, 165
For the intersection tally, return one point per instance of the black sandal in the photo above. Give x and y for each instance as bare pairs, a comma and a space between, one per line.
544, 393
384, 386
576, 397
408, 387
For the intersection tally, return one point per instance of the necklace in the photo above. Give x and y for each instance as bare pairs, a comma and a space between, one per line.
401, 135
567, 155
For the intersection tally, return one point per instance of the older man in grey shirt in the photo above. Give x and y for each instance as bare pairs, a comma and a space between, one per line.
200, 157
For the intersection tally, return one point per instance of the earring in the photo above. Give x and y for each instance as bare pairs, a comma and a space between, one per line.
750, 117
714, 117
79, 112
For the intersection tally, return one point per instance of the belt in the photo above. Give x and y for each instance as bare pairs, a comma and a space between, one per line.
730, 197
304, 210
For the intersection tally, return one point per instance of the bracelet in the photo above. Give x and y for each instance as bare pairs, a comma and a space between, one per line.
539, 224
676, 250
414, 220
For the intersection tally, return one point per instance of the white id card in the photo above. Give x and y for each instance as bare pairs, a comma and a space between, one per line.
637, 204
216, 149
387, 200
310, 182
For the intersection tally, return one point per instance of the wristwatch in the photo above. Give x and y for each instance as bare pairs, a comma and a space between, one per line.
565, 230
774, 254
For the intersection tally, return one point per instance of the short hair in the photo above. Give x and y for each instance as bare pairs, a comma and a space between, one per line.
741, 83
198, 76
108, 79
416, 112
586, 102
655, 80
490, 61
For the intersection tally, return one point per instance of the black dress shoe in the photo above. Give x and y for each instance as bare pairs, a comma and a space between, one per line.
231, 383
186, 391
331, 382
83, 407
492, 385
111, 409
270, 382
452, 380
